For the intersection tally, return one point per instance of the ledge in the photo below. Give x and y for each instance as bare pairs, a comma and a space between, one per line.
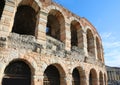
53, 47
27, 42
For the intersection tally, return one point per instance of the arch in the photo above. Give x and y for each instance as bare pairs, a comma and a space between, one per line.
2, 4
76, 34
79, 75
26, 18
54, 75
101, 78
98, 46
35, 4
17, 72
90, 43
93, 77
56, 25
76, 77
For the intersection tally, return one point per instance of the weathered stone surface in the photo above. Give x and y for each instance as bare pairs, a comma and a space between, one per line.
41, 50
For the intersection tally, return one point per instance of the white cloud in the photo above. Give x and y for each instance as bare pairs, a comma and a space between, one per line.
111, 46
106, 35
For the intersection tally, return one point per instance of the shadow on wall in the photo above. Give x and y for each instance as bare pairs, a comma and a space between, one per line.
2, 4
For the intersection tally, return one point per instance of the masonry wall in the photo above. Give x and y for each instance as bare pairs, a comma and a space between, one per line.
39, 49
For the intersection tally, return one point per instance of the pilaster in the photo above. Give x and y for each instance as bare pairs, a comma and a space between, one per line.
41, 37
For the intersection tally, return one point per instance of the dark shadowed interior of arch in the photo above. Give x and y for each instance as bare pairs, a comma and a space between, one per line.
76, 77
92, 77
74, 38
51, 76
90, 41
53, 27
2, 4
17, 73
56, 25
25, 20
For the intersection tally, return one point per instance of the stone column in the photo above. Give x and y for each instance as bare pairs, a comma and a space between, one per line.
85, 43
87, 81
7, 18
41, 38
83, 78
95, 49
115, 77
63, 80
37, 80
68, 36
68, 80
119, 74
112, 73
102, 53
96, 81
109, 76
1, 78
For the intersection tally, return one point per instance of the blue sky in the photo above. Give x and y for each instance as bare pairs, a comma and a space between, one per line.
105, 16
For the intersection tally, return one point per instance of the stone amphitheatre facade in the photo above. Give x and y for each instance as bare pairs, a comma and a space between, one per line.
42, 43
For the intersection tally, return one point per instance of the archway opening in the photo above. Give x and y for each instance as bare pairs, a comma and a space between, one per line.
74, 33
51, 76
17, 73
101, 78
76, 77
25, 20
56, 25
93, 77
90, 43
2, 4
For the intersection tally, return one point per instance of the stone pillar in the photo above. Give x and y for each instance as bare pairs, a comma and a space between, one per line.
7, 18
102, 54
83, 78
37, 80
112, 73
104, 80
109, 76
96, 81
115, 77
95, 49
85, 43
87, 81
68, 80
1, 78
83, 81
63, 80
41, 38
119, 74
68, 37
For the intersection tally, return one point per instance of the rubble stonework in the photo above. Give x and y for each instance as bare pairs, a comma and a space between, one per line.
42, 43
